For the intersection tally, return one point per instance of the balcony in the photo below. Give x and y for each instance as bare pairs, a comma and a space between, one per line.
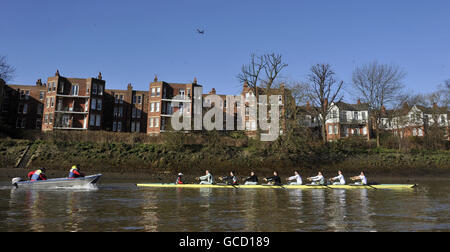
354, 121
69, 110
72, 96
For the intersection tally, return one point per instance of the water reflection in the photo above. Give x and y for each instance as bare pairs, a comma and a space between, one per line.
337, 210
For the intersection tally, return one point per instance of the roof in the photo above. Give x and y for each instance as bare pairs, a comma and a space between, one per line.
352, 107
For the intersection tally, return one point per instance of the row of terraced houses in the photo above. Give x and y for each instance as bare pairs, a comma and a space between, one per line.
85, 104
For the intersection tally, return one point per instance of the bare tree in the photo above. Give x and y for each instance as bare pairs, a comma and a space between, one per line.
6, 71
324, 90
262, 72
378, 85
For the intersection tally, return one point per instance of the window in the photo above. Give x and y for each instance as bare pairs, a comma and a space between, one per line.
92, 120
121, 99
153, 92
355, 115
50, 119
330, 130
114, 126
365, 131
93, 104
134, 99
61, 87
157, 107
49, 87
40, 108
119, 126
139, 99
152, 107
138, 127
116, 99
336, 129
46, 119
150, 123
156, 122
116, 111
133, 113
247, 125
99, 104
38, 123
98, 120
20, 110
182, 93
420, 132
158, 91
74, 90
54, 87
133, 125
414, 132
94, 88
363, 115
41, 95
120, 111
100, 89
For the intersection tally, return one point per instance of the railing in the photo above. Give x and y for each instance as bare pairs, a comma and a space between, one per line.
71, 110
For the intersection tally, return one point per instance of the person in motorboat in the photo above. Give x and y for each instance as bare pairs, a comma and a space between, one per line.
231, 180
252, 180
340, 180
75, 172
179, 179
38, 174
296, 179
361, 177
274, 180
317, 180
208, 179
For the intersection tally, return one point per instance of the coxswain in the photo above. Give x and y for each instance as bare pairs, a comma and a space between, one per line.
179, 179
296, 179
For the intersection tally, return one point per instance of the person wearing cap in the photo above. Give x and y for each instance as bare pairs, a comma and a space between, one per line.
179, 179
75, 172
39, 174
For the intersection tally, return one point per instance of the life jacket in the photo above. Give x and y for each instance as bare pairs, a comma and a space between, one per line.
30, 174
74, 173
179, 181
37, 175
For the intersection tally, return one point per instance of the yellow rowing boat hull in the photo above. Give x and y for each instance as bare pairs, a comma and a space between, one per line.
383, 186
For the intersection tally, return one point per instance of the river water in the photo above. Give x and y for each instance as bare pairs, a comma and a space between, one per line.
120, 206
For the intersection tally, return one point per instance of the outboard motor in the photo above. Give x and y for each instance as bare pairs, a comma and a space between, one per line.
15, 180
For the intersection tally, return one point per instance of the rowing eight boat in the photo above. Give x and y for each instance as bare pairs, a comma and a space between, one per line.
382, 186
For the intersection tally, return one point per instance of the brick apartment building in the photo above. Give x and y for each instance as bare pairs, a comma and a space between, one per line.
73, 103
21, 106
126, 110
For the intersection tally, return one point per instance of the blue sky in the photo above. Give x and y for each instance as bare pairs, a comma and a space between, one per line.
131, 41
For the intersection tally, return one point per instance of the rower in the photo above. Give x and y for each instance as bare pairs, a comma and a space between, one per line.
208, 179
296, 179
339, 177
361, 177
75, 172
179, 179
274, 180
231, 180
252, 180
38, 175
317, 180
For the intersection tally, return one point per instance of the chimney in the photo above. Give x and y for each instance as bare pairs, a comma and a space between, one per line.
435, 106
39, 83
57, 73
156, 78
308, 105
383, 109
359, 102
195, 80
245, 84
129, 87
213, 91
99, 75
405, 105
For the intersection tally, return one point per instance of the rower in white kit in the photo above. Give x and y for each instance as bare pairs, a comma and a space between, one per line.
362, 178
340, 180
